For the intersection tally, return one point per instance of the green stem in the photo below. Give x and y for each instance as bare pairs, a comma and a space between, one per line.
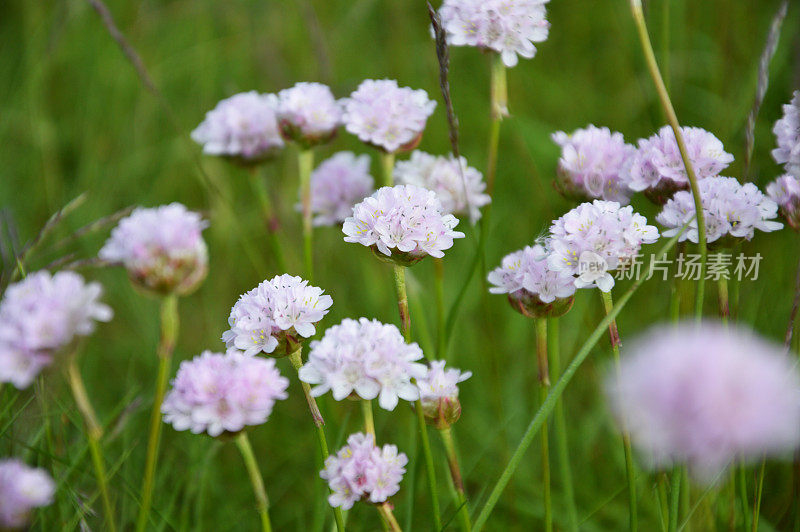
169, 334
544, 387
94, 432
455, 474
724, 306
759, 492
669, 111
387, 168
305, 164
402, 301
665, 55
674, 498
262, 502
369, 421
562, 445
613, 332
743, 495
271, 221
675, 290
438, 265
388, 517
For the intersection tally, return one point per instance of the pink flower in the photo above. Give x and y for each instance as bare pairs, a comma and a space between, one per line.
22, 489
308, 113
787, 136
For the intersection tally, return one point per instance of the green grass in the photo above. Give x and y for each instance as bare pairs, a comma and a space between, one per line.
75, 118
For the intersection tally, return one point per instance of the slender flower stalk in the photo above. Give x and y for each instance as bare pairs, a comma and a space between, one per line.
369, 420
455, 474
759, 492
613, 332
169, 334
544, 388
387, 168
743, 499
390, 521
438, 266
262, 502
305, 165
271, 221
94, 433
724, 305
674, 498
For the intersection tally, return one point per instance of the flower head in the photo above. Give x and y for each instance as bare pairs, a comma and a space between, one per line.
785, 191
438, 393
22, 489
787, 135
362, 471
387, 116
337, 184
243, 127
729, 207
308, 113
404, 223
459, 187
162, 248
594, 239
509, 27
658, 169
367, 358
706, 396
41, 315
276, 316
591, 163
534, 289
218, 393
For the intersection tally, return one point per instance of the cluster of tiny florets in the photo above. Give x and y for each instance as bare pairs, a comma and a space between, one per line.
787, 135
595, 238
337, 184
438, 393
308, 113
729, 207
707, 396
367, 358
360, 470
41, 315
216, 393
591, 164
459, 187
387, 116
244, 127
404, 222
22, 489
281, 311
509, 27
785, 191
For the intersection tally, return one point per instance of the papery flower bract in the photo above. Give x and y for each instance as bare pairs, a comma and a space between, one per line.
658, 169
243, 127
534, 289
216, 393
787, 136
337, 184
367, 358
591, 162
785, 191
730, 209
162, 248
594, 239
22, 489
404, 223
387, 116
308, 113
438, 393
276, 316
41, 315
706, 396
509, 27
362, 471
461, 190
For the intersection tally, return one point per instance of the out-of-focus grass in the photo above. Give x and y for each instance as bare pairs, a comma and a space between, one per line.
75, 118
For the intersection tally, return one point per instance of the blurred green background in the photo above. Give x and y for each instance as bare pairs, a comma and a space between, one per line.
75, 118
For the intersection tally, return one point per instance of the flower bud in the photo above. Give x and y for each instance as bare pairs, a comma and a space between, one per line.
438, 391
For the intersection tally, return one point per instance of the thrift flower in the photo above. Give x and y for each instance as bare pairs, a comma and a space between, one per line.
404, 223
218, 393
785, 191
706, 396
787, 134
438, 393
243, 127
658, 169
534, 289
596, 238
508, 27
40, 316
591, 164
387, 116
367, 358
459, 187
362, 471
162, 248
337, 184
308, 113
730, 209
276, 316
22, 489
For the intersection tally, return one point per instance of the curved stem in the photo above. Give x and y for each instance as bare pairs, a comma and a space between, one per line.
271, 221
455, 474
262, 502
305, 164
169, 334
369, 421
669, 111
387, 168
544, 388
94, 432
388, 516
